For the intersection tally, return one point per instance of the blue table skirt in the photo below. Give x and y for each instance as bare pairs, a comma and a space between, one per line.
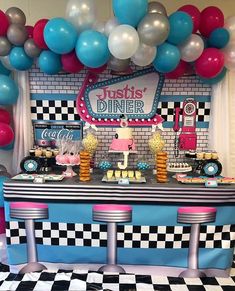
148, 215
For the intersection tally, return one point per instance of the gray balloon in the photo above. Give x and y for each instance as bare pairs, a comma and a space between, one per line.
16, 15
5, 46
153, 29
118, 65
31, 49
156, 7
17, 34
6, 63
3, 168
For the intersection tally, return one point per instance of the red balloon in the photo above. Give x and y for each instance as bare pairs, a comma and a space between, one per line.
98, 70
5, 116
71, 63
194, 12
210, 63
6, 134
29, 29
4, 23
178, 71
38, 33
211, 18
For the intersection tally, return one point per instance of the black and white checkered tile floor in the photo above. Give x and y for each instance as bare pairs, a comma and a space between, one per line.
81, 281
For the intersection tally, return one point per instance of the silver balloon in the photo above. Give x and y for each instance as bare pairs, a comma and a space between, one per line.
123, 41
144, 55
3, 168
110, 25
192, 48
99, 26
16, 15
31, 49
153, 29
5, 46
229, 24
156, 7
17, 34
81, 13
6, 63
118, 65
229, 56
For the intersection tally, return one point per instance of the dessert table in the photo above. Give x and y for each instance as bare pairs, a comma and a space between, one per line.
152, 239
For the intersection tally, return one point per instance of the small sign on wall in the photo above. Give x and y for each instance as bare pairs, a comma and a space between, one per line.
46, 133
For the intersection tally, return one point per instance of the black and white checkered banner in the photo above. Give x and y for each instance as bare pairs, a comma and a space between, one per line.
66, 110
129, 236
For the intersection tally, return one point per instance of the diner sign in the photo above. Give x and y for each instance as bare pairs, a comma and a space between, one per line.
136, 96
46, 133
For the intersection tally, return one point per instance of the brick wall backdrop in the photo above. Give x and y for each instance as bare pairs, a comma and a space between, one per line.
64, 87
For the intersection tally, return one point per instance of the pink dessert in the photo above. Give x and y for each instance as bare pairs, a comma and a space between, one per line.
59, 159
75, 159
122, 145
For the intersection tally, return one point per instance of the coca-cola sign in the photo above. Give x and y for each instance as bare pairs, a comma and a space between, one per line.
46, 133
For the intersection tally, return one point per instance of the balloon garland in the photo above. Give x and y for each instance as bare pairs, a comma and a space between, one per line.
202, 42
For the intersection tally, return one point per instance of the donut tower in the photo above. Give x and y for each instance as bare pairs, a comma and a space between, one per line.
161, 166
84, 172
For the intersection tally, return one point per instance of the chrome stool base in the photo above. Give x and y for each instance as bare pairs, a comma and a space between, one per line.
32, 267
192, 273
112, 268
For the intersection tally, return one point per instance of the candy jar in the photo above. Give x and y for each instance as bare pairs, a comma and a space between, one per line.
90, 143
156, 143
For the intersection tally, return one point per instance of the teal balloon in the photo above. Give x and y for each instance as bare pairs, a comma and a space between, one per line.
130, 12
181, 27
219, 38
167, 59
60, 36
8, 147
49, 62
215, 80
92, 49
9, 91
2, 180
4, 70
19, 59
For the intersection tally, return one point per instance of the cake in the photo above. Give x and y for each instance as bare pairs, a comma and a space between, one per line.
123, 140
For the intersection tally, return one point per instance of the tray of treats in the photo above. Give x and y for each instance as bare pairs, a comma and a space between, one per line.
179, 167
203, 179
31, 177
113, 176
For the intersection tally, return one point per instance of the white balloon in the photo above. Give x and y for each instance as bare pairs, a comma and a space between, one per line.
229, 56
81, 13
99, 26
144, 55
229, 24
192, 48
123, 42
110, 25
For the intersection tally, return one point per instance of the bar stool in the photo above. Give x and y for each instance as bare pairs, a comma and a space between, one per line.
195, 216
112, 214
30, 211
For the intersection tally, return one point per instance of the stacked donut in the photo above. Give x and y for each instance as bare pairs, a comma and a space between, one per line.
161, 165
84, 173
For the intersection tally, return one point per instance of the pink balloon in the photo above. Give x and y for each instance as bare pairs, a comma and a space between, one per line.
29, 29
194, 12
71, 63
4, 23
38, 36
6, 134
210, 63
211, 18
98, 70
178, 71
5, 116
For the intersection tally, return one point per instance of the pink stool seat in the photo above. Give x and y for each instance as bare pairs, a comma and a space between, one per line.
111, 207
196, 209
27, 205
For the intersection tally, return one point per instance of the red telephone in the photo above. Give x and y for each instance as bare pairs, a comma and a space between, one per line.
187, 137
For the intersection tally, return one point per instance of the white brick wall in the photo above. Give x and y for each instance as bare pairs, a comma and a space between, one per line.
70, 84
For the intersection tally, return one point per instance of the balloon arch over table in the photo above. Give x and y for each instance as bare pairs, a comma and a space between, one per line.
140, 32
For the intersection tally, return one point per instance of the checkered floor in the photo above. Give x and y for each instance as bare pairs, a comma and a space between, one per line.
81, 281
